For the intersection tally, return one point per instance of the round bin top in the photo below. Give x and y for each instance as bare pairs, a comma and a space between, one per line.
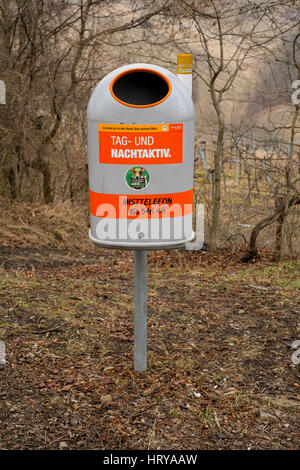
140, 93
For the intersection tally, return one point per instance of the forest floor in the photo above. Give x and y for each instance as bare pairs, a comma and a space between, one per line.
220, 333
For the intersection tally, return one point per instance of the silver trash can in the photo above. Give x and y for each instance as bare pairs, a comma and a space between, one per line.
141, 159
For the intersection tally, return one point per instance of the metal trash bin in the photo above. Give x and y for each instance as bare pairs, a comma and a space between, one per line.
141, 159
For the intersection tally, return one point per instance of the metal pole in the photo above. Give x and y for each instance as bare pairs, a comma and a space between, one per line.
2, 92
140, 310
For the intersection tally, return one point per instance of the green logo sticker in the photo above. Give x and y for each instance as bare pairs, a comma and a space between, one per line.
137, 177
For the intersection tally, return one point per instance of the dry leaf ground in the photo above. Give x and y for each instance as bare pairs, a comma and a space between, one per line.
220, 372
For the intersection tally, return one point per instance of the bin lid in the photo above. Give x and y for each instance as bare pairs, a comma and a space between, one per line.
140, 93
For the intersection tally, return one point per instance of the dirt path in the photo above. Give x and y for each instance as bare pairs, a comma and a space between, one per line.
220, 370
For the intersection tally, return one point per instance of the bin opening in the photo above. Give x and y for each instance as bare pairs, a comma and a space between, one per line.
140, 88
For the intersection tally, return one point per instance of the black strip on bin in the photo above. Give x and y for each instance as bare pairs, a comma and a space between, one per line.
140, 88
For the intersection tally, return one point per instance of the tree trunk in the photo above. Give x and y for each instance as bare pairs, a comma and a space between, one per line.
278, 232
279, 212
43, 167
12, 183
288, 173
217, 192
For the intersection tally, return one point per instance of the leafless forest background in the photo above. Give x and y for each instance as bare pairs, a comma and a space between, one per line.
247, 149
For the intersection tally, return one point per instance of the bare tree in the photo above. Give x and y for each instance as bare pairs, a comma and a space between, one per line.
230, 36
52, 54
286, 181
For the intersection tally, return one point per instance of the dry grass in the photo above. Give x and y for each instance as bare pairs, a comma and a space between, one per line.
63, 225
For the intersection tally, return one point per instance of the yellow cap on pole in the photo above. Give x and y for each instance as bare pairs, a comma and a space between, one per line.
184, 64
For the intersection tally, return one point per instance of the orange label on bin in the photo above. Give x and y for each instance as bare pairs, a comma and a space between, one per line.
119, 206
146, 143
184, 64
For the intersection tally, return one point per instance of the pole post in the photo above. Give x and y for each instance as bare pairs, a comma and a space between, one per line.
140, 310
2, 92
